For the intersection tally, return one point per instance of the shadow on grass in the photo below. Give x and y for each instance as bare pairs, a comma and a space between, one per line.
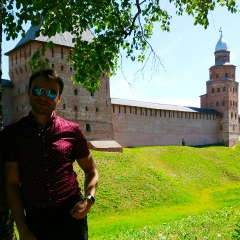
209, 145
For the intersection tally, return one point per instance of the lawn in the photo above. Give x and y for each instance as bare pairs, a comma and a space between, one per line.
145, 190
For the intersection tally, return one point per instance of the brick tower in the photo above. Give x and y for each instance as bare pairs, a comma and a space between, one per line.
91, 111
222, 93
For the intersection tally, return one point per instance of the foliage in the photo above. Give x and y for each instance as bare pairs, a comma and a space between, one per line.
115, 24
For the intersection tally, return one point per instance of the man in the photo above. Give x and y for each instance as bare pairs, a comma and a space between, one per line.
39, 150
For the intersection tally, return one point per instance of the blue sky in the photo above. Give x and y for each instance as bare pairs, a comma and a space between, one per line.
187, 53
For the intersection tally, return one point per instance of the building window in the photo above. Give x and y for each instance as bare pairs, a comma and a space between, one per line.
75, 108
165, 113
92, 94
212, 90
96, 109
217, 75
88, 128
75, 92
62, 68
217, 104
226, 75
218, 89
62, 52
136, 110
86, 108
146, 111
223, 103
64, 106
224, 89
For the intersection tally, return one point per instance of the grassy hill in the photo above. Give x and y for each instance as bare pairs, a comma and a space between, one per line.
146, 187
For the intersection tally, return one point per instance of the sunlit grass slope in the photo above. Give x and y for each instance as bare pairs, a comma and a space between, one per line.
147, 186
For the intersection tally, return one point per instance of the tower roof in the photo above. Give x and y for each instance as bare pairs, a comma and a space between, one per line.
222, 44
64, 39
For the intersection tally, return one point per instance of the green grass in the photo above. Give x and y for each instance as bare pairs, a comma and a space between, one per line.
147, 187
166, 192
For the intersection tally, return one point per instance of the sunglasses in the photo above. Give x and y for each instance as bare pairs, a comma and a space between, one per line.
38, 91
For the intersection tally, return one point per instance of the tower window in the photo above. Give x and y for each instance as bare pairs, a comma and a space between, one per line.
223, 103
88, 128
62, 52
218, 90
217, 75
226, 75
217, 104
224, 89
212, 90
75, 92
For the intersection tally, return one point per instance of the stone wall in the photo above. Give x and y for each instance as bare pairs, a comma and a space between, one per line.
162, 127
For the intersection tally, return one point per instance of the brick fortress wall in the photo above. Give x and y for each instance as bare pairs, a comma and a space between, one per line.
91, 111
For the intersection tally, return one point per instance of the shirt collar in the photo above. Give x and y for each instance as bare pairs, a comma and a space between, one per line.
51, 121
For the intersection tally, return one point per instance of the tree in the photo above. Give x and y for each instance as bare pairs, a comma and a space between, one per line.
116, 25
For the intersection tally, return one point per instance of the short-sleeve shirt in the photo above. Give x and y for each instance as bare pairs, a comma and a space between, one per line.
45, 157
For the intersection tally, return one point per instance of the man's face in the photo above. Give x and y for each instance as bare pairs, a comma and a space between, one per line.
43, 105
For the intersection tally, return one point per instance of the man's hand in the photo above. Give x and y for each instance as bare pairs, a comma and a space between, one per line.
81, 208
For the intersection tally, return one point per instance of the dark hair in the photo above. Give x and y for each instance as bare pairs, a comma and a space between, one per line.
48, 74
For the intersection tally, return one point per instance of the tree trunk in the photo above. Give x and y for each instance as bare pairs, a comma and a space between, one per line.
6, 220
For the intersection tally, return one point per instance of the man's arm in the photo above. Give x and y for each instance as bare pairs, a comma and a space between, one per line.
88, 166
15, 200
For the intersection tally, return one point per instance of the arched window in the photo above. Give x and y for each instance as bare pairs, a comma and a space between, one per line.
223, 103
212, 90
224, 89
217, 104
226, 75
75, 92
88, 128
217, 75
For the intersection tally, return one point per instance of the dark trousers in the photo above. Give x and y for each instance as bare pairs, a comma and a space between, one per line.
57, 223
